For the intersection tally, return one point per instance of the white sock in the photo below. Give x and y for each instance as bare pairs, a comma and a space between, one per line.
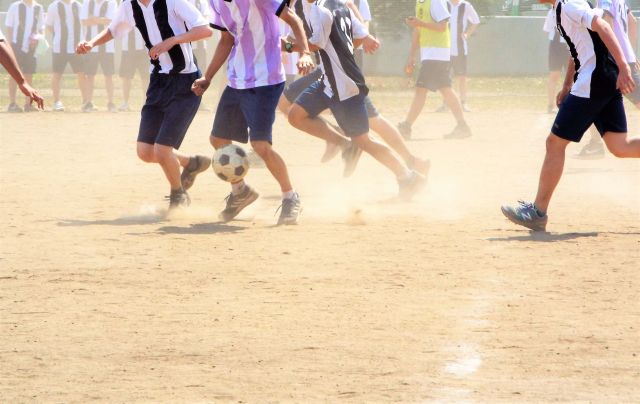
405, 175
289, 194
237, 187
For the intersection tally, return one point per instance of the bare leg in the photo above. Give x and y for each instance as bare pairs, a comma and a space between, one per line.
419, 98
552, 84
620, 145
551, 171
381, 153
284, 105
462, 85
318, 127
108, 83
89, 85
83, 83
170, 165
274, 163
146, 153
13, 89
392, 137
55, 86
126, 90
451, 99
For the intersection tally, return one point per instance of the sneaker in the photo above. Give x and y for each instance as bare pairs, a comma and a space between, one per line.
30, 108
235, 203
124, 107
289, 211
197, 164
14, 108
331, 150
58, 106
88, 107
111, 107
412, 185
350, 155
591, 151
421, 166
461, 131
465, 107
178, 199
526, 214
405, 130
443, 108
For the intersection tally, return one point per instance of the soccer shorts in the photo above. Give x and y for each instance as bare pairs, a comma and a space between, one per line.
434, 75
577, 114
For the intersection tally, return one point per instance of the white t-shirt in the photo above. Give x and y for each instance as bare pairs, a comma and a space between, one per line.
439, 12
365, 11
2, 38
619, 11
203, 7
470, 16
289, 60
33, 23
70, 24
98, 8
550, 26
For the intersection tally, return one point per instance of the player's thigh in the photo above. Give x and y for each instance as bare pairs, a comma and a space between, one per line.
313, 100
229, 122
179, 111
260, 111
574, 117
351, 115
296, 88
612, 117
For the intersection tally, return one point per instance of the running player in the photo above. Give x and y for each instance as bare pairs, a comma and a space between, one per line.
167, 27
596, 76
25, 26
251, 40
9, 62
431, 35
342, 88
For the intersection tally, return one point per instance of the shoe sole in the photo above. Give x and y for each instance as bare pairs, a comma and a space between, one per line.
417, 187
253, 198
352, 163
528, 225
189, 178
290, 222
588, 157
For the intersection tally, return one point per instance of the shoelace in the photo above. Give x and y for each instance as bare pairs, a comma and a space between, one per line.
526, 205
286, 206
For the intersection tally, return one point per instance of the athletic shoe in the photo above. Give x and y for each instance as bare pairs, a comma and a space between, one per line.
235, 203
58, 106
289, 211
461, 131
30, 108
465, 107
197, 164
350, 155
124, 107
412, 185
331, 149
14, 108
591, 151
526, 214
179, 198
111, 107
421, 166
88, 107
405, 130
443, 108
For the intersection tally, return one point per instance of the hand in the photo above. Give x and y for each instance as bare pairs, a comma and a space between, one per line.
162, 47
413, 22
562, 95
625, 81
305, 64
33, 95
465, 36
200, 86
410, 66
83, 48
370, 44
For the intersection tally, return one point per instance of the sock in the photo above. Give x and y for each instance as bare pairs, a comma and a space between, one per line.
237, 187
405, 175
538, 211
289, 194
177, 190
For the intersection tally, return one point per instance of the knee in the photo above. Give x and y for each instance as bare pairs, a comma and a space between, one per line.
555, 144
295, 116
146, 154
217, 142
618, 150
262, 149
362, 141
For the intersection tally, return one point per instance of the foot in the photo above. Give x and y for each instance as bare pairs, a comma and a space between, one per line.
405, 130
465, 107
290, 210
30, 108
111, 107
197, 164
14, 108
526, 214
591, 151
331, 149
179, 199
461, 131
88, 107
412, 185
442, 108
421, 166
124, 107
350, 155
235, 203
58, 106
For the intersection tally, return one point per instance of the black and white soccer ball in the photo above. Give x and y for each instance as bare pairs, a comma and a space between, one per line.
230, 163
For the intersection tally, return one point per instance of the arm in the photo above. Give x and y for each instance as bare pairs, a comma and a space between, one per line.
625, 80
8, 60
568, 82
433, 26
633, 29
194, 34
100, 39
356, 12
304, 64
415, 44
472, 28
220, 56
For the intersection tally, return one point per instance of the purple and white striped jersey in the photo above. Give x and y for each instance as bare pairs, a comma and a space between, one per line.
255, 59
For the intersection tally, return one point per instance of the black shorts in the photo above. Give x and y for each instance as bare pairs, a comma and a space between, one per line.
558, 56
60, 61
26, 61
169, 109
634, 97
577, 114
103, 59
132, 62
434, 75
459, 65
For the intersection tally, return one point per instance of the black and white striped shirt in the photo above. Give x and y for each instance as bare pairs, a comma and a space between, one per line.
160, 20
64, 19
26, 21
103, 9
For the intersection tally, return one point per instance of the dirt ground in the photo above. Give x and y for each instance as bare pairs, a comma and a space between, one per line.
437, 300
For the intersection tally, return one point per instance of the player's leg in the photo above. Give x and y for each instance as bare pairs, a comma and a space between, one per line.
58, 64
612, 123
552, 85
419, 99
461, 130
13, 89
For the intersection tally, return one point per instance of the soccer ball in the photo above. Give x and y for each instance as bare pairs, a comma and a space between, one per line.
230, 163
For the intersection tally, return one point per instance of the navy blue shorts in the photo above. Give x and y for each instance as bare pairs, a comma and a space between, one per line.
169, 109
351, 114
577, 114
434, 75
247, 114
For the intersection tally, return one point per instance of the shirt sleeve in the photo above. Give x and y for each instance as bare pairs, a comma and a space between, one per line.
365, 10
122, 23
549, 22
84, 10
358, 29
439, 10
320, 20
471, 14
2, 38
580, 13
189, 14
204, 8
111, 9
274, 6
606, 5
215, 19
10, 17
50, 12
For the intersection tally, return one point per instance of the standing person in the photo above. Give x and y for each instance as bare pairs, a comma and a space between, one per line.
464, 22
558, 59
365, 14
247, 108
63, 22
167, 27
200, 47
9, 62
25, 26
431, 35
134, 58
96, 15
596, 76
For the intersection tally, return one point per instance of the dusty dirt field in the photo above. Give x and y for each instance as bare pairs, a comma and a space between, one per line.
440, 299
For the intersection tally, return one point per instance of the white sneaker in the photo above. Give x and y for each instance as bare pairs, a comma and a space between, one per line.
58, 107
124, 107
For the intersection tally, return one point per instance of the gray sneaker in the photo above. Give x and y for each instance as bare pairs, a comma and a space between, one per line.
289, 211
412, 185
197, 164
526, 214
178, 199
235, 203
350, 155
461, 131
591, 151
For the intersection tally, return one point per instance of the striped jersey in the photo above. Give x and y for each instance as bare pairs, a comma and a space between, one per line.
26, 22
63, 17
203, 7
619, 11
255, 59
596, 71
103, 9
159, 20
462, 14
550, 27
333, 29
